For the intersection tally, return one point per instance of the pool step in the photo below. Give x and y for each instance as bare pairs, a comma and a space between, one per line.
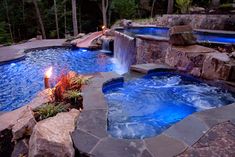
146, 68
132, 75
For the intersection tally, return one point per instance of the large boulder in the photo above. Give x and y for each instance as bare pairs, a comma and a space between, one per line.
188, 58
182, 36
125, 23
195, 9
21, 148
51, 137
6, 143
24, 125
218, 66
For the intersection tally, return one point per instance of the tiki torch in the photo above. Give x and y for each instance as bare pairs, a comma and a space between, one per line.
47, 77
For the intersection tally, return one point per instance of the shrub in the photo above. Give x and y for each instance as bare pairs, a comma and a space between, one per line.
49, 110
183, 5
74, 97
78, 81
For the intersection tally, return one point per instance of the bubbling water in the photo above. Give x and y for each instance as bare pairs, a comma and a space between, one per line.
147, 106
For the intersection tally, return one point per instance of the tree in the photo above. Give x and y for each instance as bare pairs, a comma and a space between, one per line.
75, 21
170, 7
215, 3
105, 5
56, 20
39, 19
8, 20
183, 5
152, 8
4, 36
125, 8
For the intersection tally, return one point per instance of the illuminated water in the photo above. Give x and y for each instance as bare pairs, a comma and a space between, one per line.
21, 81
147, 106
164, 32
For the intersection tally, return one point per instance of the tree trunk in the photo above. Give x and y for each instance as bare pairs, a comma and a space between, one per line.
65, 21
170, 6
8, 21
105, 4
39, 19
75, 21
80, 19
215, 3
152, 9
56, 20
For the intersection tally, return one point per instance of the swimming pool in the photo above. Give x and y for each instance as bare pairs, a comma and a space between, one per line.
147, 106
164, 32
21, 81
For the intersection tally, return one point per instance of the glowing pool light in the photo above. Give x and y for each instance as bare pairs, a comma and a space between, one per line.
48, 73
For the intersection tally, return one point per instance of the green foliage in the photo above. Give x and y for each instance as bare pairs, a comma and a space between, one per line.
4, 36
49, 110
72, 94
125, 8
225, 6
73, 97
183, 5
78, 81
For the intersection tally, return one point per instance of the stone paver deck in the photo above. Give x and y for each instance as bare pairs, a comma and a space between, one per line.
17, 51
218, 142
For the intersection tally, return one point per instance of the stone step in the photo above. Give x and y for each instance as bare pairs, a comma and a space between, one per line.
146, 68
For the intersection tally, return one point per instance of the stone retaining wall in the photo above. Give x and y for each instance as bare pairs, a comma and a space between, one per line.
197, 60
198, 21
151, 51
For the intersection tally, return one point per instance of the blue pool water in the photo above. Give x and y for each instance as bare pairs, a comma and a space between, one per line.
147, 106
164, 32
21, 81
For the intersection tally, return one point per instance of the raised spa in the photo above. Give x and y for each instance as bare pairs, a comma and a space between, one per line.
147, 106
212, 37
21, 81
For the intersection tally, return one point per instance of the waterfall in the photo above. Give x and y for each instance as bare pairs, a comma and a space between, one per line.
107, 46
124, 50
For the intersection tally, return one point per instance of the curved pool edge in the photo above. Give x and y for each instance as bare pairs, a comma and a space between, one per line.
7, 119
21, 54
91, 136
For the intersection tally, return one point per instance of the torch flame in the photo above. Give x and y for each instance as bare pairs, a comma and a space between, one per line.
48, 73
103, 27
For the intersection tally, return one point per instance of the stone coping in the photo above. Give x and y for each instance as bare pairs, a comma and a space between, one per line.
91, 137
152, 37
22, 53
125, 35
7, 119
215, 31
146, 68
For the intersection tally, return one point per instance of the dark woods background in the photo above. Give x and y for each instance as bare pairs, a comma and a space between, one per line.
19, 20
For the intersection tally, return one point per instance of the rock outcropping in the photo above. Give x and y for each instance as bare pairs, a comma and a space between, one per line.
24, 125
51, 137
182, 35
